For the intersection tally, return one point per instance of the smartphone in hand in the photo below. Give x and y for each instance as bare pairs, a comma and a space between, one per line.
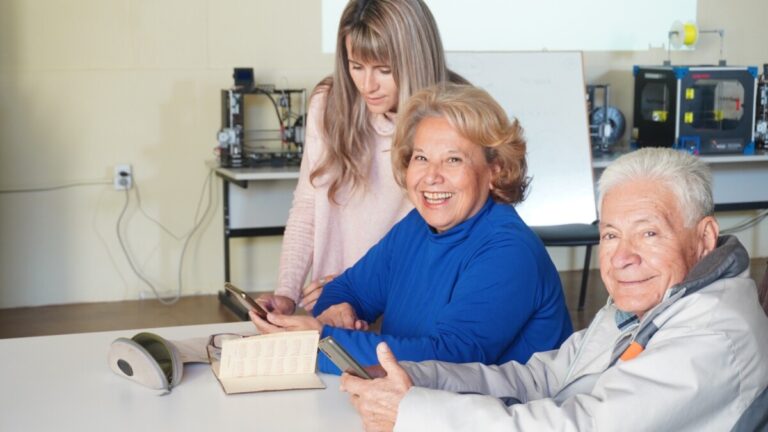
341, 358
247, 301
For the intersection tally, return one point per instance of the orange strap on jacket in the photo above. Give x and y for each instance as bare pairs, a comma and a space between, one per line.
633, 350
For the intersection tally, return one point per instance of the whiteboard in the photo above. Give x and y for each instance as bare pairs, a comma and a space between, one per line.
545, 92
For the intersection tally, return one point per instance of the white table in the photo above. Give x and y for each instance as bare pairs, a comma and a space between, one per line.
63, 383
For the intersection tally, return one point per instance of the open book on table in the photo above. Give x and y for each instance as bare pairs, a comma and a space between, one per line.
278, 361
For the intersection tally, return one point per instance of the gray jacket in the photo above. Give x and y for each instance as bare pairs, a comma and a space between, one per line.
701, 367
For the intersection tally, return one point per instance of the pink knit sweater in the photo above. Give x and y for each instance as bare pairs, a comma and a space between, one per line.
327, 237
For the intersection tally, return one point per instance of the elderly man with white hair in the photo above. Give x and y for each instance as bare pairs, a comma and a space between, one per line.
680, 345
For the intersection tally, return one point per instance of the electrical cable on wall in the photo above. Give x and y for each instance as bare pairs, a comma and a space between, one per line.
140, 206
198, 221
56, 187
187, 238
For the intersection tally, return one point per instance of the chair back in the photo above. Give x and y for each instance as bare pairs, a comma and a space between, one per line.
755, 418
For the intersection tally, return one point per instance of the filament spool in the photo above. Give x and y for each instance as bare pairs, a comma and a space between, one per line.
681, 35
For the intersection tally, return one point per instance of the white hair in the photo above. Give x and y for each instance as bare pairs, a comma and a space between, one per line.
687, 176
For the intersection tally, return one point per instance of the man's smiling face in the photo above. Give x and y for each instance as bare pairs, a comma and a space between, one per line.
645, 247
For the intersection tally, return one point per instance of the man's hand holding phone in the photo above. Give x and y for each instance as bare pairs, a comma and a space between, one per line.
378, 400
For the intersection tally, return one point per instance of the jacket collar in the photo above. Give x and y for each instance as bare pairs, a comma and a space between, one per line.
729, 259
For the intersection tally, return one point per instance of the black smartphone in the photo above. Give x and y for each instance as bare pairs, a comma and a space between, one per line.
247, 301
341, 358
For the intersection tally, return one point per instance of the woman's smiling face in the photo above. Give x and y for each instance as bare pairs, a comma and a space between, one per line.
448, 179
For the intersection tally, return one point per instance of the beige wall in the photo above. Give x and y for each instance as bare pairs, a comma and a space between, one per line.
87, 84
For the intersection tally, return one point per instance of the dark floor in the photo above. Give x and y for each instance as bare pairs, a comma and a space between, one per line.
134, 314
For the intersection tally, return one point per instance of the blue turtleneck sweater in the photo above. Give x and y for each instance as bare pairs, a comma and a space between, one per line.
483, 291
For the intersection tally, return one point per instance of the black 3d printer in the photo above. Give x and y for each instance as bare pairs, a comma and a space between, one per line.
240, 146
699, 109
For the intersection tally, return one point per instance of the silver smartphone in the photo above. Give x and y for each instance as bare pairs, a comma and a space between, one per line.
246, 300
341, 358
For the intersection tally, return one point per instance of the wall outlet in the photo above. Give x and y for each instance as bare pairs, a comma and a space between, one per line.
123, 177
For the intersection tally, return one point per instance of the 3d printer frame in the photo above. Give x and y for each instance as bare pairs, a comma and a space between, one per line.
242, 147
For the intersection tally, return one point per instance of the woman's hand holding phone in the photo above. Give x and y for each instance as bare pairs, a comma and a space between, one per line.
246, 300
280, 323
277, 303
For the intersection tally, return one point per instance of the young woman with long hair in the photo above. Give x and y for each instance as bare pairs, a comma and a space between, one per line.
346, 198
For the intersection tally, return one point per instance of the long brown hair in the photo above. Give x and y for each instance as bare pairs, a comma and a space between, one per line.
400, 33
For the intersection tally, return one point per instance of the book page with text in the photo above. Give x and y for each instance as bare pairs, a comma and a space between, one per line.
274, 354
